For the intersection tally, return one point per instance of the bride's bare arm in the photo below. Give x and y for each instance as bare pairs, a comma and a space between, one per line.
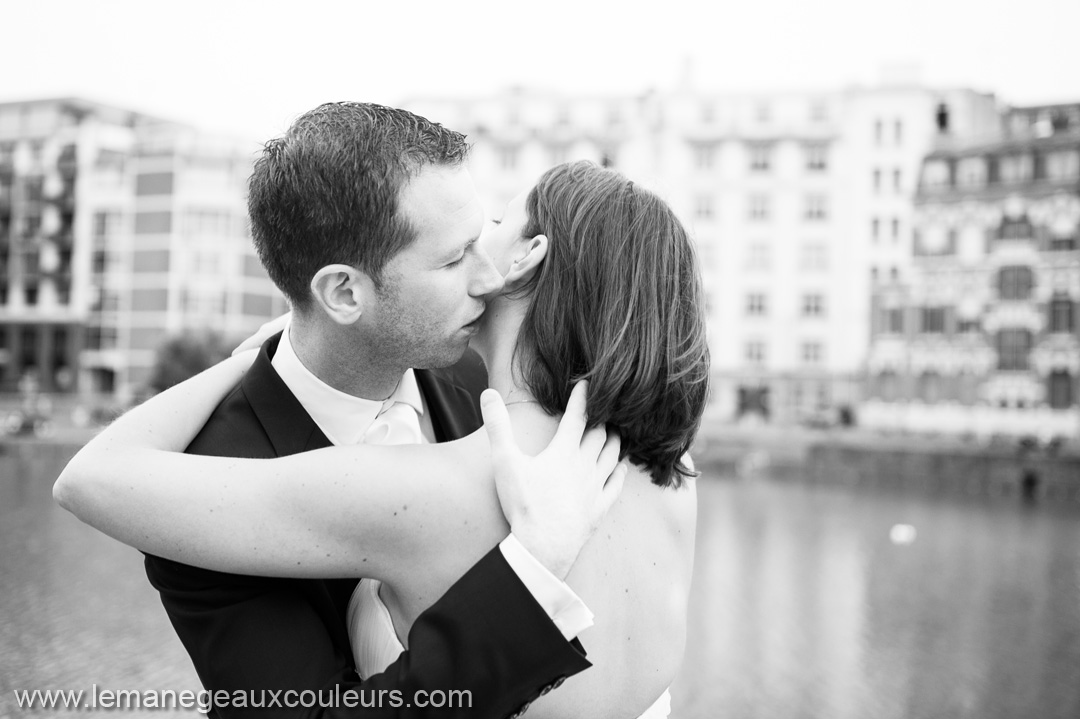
343, 511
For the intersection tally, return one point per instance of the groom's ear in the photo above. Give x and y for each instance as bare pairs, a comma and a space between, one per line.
341, 291
526, 266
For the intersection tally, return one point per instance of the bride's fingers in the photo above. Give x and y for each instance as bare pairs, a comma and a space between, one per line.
497, 425
593, 442
609, 455
572, 424
613, 487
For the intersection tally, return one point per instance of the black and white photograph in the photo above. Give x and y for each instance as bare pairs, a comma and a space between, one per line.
574, 360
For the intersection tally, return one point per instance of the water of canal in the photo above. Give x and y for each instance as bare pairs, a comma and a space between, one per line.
808, 602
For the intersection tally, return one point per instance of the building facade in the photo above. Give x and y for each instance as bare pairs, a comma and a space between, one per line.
798, 203
117, 230
982, 335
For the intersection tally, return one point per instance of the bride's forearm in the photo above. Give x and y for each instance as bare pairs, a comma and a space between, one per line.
352, 511
118, 455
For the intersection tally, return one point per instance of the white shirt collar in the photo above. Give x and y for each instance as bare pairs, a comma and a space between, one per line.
343, 418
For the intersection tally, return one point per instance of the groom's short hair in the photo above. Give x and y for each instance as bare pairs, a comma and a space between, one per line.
327, 192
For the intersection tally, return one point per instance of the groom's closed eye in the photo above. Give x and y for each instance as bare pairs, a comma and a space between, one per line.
457, 260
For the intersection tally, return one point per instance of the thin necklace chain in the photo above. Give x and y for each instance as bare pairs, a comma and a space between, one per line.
523, 401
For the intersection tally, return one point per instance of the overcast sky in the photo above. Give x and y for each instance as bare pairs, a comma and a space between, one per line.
249, 67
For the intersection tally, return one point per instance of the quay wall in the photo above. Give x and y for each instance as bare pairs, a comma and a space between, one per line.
946, 469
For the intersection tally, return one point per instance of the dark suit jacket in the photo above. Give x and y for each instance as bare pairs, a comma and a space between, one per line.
486, 634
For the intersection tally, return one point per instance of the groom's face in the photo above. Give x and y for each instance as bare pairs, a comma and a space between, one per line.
435, 290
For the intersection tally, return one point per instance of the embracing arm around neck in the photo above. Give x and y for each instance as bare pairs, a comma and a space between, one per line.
341, 511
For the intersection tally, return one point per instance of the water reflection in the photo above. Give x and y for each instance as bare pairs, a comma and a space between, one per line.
803, 605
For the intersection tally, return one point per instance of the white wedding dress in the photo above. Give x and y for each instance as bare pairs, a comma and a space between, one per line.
375, 644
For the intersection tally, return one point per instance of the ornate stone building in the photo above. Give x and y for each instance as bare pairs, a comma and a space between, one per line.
982, 335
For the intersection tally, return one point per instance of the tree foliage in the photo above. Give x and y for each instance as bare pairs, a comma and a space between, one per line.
186, 355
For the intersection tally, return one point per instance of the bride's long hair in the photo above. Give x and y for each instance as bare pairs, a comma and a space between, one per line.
618, 301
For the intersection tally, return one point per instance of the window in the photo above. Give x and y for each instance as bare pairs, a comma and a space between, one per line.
895, 230
703, 207
929, 387
898, 132
755, 353
811, 353
756, 305
813, 305
873, 275
207, 223
936, 174
933, 320
760, 156
1063, 165
875, 229
1015, 283
896, 181
894, 320
817, 157
704, 156
759, 207
879, 131
758, 256
814, 256
33, 189
1016, 228
1060, 387
971, 172
1062, 314
100, 338
99, 262
1013, 348
154, 183
816, 207
1016, 168
968, 326
147, 223
888, 386
967, 388
508, 158
877, 180
1062, 244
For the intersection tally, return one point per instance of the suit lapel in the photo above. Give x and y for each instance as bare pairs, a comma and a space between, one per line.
453, 397
288, 425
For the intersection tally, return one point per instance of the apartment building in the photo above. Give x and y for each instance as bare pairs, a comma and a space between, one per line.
117, 230
798, 202
982, 334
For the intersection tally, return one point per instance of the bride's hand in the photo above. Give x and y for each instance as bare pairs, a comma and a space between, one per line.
555, 500
264, 333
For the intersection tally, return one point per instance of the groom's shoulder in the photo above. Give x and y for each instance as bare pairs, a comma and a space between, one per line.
233, 430
238, 425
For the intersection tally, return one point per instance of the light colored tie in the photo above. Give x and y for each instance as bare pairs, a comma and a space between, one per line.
397, 423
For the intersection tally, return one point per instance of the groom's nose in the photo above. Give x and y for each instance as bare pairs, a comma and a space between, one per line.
487, 281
